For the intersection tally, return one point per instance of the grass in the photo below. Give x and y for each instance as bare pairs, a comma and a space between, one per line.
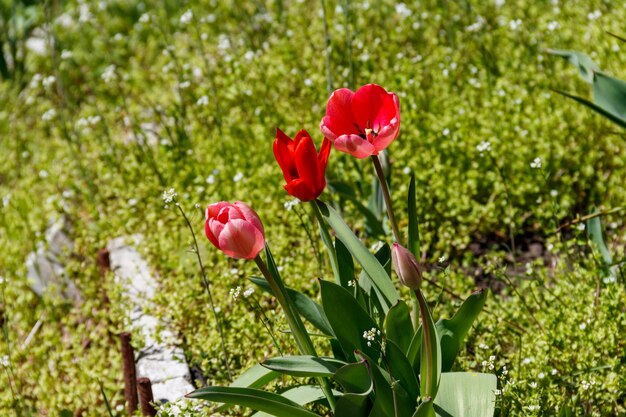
126, 118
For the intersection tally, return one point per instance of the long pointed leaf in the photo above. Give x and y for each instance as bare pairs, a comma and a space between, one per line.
385, 289
616, 119
307, 366
466, 394
255, 399
414, 232
302, 395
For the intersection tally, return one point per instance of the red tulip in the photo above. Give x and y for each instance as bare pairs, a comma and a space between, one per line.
362, 123
235, 229
406, 266
303, 168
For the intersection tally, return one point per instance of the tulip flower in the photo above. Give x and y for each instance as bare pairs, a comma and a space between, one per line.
362, 123
303, 168
235, 229
406, 266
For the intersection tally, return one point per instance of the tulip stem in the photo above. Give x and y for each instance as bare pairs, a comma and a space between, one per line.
332, 252
301, 336
385, 188
207, 287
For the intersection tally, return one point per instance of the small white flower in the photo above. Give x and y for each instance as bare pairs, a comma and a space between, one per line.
533, 407
4, 361
352, 283
169, 195
484, 146
582, 326
234, 292
109, 75
217, 310
526, 361
248, 292
186, 17
210, 179
533, 384
308, 82
554, 193
446, 131
238, 177
580, 226
476, 26
403, 10
483, 346
515, 24
49, 115
144, 18
442, 259
498, 392
184, 85
406, 170
48, 81
595, 15
536, 163
249, 56
553, 25
541, 375
132, 202
553, 371
291, 204
65, 54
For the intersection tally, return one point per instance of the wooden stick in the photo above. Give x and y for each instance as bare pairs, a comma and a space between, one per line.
130, 374
146, 399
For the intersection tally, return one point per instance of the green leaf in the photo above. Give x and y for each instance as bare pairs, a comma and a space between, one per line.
466, 394
425, 409
452, 332
398, 326
307, 308
308, 366
255, 399
413, 354
609, 115
430, 360
345, 263
414, 232
255, 377
385, 290
594, 231
586, 67
302, 395
386, 398
609, 93
401, 370
355, 377
347, 319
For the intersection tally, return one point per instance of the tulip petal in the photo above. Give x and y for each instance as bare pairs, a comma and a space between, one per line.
339, 119
367, 103
355, 146
301, 190
241, 239
386, 135
213, 229
322, 162
213, 209
249, 215
306, 159
283, 152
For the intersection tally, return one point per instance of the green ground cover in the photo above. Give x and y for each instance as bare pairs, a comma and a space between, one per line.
138, 97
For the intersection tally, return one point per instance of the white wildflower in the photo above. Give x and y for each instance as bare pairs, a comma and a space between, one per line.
442, 259
484, 146
238, 177
553, 25
248, 292
580, 226
4, 361
515, 24
186, 17
403, 10
144, 18
446, 131
65, 54
48, 81
234, 292
406, 170
536, 163
49, 115
595, 15
483, 346
476, 26
533, 385
308, 82
109, 75
169, 195
291, 204
210, 179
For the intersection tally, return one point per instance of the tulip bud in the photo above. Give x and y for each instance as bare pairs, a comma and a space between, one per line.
406, 266
235, 229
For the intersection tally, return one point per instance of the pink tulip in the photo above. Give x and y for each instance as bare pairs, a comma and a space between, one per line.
406, 266
235, 229
362, 123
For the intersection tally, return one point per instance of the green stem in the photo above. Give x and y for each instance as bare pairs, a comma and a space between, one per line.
301, 336
332, 252
385, 188
428, 343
